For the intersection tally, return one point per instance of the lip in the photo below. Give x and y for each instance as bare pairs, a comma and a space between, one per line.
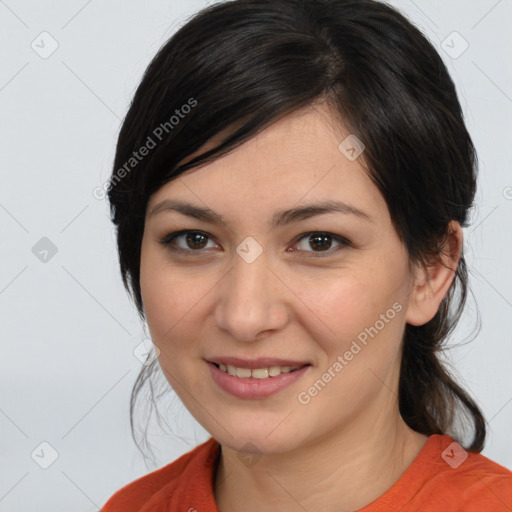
252, 388
262, 362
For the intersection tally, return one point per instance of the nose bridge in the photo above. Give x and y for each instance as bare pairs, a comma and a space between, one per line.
248, 305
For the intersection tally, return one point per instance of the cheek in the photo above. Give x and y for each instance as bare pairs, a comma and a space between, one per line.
159, 297
367, 316
344, 307
173, 301
170, 327
166, 306
360, 350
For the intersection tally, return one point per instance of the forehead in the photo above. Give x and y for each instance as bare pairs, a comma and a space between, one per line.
295, 160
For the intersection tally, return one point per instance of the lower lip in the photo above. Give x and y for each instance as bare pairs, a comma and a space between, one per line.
252, 388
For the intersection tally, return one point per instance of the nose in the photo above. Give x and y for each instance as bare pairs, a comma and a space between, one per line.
252, 300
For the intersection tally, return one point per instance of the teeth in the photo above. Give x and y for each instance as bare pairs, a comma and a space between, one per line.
274, 371
256, 373
245, 373
260, 373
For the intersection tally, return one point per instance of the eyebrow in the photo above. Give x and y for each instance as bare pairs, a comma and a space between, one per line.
280, 218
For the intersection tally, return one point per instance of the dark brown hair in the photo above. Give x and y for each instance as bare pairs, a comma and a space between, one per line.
248, 63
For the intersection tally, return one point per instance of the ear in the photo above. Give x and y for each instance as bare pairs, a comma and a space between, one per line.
432, 283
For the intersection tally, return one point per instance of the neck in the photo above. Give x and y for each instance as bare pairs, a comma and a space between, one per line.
341, 471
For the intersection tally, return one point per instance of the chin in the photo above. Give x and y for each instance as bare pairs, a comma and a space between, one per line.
250, 435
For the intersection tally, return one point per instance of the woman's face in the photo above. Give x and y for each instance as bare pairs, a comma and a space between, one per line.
274, 294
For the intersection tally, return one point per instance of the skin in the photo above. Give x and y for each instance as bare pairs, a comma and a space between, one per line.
348, 445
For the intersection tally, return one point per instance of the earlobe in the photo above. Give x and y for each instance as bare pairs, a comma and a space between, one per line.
431, 284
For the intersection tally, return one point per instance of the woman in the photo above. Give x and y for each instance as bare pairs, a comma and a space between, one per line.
289, 190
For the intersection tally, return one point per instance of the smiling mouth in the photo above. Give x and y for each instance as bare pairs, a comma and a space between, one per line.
257, 373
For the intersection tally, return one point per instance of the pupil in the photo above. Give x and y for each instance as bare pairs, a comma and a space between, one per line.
194, 240
323, 245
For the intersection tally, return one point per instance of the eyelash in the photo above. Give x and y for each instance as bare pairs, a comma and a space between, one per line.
168, 239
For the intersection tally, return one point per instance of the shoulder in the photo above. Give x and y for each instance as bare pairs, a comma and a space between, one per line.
465, 480
482, 484
444, 476
135, 495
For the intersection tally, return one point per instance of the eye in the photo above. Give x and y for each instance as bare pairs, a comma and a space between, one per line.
321, 242
194, 240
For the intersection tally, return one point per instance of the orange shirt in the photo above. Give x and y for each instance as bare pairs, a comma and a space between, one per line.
442, 478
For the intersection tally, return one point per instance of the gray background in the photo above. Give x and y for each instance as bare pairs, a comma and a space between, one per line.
68, 329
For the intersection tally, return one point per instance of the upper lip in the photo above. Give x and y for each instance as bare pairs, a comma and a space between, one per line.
262, 362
